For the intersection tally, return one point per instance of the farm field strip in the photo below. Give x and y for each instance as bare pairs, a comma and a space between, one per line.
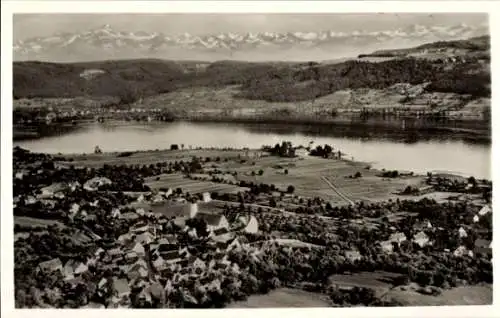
30, 221
198, 187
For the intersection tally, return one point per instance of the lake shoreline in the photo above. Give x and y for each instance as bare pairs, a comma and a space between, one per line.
410, 132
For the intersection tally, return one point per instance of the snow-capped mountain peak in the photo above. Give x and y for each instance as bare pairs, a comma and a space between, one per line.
107, 42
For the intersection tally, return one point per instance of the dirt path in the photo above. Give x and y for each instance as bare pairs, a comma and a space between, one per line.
334, 188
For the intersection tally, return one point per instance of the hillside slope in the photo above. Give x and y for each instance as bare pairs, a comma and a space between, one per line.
131, 80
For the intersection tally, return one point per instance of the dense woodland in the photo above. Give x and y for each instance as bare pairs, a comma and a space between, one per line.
130, 80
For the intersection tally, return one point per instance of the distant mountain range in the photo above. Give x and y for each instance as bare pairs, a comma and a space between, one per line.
107, 43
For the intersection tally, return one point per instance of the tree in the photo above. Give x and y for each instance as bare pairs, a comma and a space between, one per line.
286, 171
357, 175
290, 189
472, 181
261, 172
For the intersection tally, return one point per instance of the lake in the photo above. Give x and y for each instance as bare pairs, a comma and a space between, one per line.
389, 149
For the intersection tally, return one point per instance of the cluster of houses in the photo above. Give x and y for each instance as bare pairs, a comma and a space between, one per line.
422, 239
149, 256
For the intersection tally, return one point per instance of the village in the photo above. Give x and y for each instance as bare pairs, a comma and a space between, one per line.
110, 236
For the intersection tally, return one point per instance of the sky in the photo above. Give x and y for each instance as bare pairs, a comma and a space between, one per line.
34, 25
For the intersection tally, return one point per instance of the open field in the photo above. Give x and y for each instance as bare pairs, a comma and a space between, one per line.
459, 296
147, 157
305, 174
29, 221
381, 282
284, 297
192, 186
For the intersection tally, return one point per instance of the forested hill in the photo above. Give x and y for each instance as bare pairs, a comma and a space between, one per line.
454, 67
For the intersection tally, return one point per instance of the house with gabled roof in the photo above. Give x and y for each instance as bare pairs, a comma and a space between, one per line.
131, 257
234, 245
73, 268
171, 257
169, 287
397, 238
462, 251
141, 228
484, 210
120, 287
115, 213
184, 252
462, 233
99, 252
129, 216
51, 266
482, 246
137, 270
102, 287
145, 238
353, 255
421, 239
159, 263
206, 197
387, 246
114, 252
223, 240
126, 238
53, 189
196, 262
137, 248
145, 296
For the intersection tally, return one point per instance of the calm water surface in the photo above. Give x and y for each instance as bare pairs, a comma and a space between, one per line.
418, 156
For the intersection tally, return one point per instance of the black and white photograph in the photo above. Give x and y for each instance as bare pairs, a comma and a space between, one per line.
248, 160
